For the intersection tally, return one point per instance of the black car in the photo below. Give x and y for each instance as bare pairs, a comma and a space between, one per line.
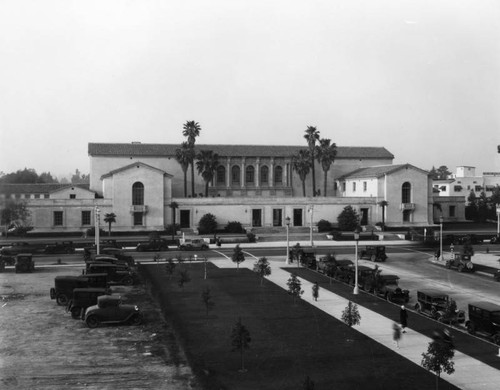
484, 318
24, 263
373, 253
60, 247
158, 244
65, 284
115, 273
83, 298
16, 248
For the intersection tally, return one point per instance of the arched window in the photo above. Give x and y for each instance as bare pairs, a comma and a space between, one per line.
278, 175
250, 175
137, 193
235, 174
264, 175
406, 192
221, 175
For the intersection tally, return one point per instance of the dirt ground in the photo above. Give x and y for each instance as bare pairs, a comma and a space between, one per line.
42, 347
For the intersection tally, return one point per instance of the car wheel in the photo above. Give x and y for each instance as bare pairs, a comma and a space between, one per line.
92, 322
460, 268
136, 319
373, 258
75, 312
418, 308
128, 281
471, 328
390, 297
448, 264
62, 300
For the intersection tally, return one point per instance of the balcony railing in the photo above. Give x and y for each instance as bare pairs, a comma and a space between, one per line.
408, 206
139, 209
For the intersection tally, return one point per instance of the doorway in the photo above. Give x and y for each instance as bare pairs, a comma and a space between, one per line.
364, 217
256, 217
277, 217
297, 217
185, 219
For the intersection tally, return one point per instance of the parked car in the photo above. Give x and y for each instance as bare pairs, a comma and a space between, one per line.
325, 264
193, 244
24, 263
342, 270
65, 284
111, 310
82, 298
366, 276
107, 259
439, 306
110, 244
158, 244
115, 273
495, 240
60, 247
387, 286
17, 247
461, 262
484, 318
373, 253
119, 254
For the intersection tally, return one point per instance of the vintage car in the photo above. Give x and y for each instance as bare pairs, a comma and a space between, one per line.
157, 244
439, 306
65, 284
119, 254
461, 262
111, 310
484, 318
193, 244
366, 276
16, 248
373, 253
83, 298
387, 286
326, 264
307, 258
341, 271
110, 244
60, 248
24, 263
107, 259
115, 273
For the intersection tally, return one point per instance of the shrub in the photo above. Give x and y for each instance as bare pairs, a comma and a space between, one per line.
91, 232
348, 219
234, 227
251, 237
324, 226
207, 224
172, 229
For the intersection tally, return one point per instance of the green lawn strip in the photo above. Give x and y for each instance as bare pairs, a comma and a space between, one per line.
481, 350
289, 342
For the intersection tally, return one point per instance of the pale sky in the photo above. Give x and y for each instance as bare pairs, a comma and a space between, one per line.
420, 77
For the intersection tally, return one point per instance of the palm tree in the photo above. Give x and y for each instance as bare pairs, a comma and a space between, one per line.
191, 130
184, 155
312, 135
206, 165
383, 204
173, 206
326, 154
301, 163
109, 218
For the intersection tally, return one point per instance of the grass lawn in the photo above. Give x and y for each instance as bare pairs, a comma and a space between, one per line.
289, 341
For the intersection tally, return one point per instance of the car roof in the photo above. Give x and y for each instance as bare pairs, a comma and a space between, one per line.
389, 276
485, 305
109, 298
432, 293
89, 289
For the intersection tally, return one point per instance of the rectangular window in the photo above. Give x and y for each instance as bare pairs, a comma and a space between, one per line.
72, 196
354, 187
58, 218
452, 211
478, 188
365, 186
137, 219
37, 196
86, 217
343, 186
457, 188
46, 196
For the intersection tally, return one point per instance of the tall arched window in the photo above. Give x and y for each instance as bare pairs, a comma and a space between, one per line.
406, 193
235, 174
264, 175
250, 175
278, 175
221, 175
137, 193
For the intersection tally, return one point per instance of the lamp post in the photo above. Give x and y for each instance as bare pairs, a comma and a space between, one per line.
287, 223
311, 211
356, 238
440, 238
498, 221
97, 212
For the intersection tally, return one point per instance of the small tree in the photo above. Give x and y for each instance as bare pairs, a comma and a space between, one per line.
294, 287
348, 219
170, 267
109, 218
351, 315
183, 278
263, 268
206, 297
207, 224
240, 340
15, 212
438, 359
238, 256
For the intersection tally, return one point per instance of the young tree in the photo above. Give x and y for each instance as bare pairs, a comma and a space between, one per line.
312, 135
294, 287
206, 165
15, 212
351, 315
170, 267
439, 358
238, 256
301, 163
240, 340
183, 278
109, 218
262, 268
348, 219
326, 153
191, 130
206, 297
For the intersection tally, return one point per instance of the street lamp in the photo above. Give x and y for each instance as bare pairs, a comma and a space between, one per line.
311, 211
440, 238
287, 223
97, 211
356, 238
498, 221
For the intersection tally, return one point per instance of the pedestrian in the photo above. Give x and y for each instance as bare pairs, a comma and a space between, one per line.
396, 334
218, 242
315, 291
403, 318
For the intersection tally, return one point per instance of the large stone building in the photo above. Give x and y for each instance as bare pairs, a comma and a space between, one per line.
254, 185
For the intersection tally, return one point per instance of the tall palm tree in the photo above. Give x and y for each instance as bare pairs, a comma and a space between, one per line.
301, 163
312, 135
326, 153
109, 218
184, 155
207, 164
191, 130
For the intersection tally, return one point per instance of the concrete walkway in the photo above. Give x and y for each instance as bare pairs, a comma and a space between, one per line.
469, 372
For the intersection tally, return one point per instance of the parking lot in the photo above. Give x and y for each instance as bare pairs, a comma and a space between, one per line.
42, 347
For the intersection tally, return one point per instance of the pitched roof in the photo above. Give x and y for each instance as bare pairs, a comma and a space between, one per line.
159, 150
111, 173
377, 171
37, 188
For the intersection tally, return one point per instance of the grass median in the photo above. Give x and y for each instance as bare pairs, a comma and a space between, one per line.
289, 342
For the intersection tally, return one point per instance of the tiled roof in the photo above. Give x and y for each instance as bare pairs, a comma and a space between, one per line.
140, 149
38, 188
377, 171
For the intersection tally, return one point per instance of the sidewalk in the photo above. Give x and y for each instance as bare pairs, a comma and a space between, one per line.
469, 372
